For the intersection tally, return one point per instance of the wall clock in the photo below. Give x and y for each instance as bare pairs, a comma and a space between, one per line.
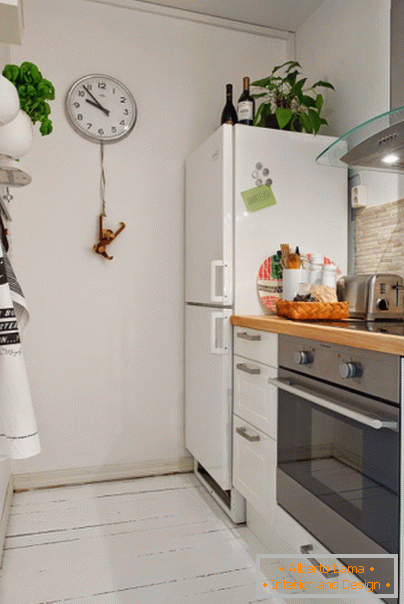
101, 108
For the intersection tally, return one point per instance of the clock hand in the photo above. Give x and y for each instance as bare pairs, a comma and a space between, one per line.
95, 100
98, 106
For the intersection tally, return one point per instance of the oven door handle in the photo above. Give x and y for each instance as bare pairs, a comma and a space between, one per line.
372, 420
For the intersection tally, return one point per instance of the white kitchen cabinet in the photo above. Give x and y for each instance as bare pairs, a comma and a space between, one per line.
255, 434
11, 21
260, 346
254, 419
254, 466
255, 400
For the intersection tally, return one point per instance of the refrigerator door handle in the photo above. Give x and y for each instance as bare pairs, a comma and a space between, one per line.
214, 265
214, 348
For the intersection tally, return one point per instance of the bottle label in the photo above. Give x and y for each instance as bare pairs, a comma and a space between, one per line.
245, 110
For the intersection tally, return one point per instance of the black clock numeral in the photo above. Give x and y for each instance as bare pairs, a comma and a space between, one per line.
113, 129
101, 131
126, 112
122, 122
77, 105
123, 99
89, 86
81, 92
102, 85
80, 116
88, 125
113, 90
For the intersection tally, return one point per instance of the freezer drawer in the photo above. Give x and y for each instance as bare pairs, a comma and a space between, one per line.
208, 383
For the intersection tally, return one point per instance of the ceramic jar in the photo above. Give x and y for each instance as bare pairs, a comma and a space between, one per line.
9, 101
16, 136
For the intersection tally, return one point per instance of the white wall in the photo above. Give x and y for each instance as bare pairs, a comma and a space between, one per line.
105, 343
4, 55
348, 43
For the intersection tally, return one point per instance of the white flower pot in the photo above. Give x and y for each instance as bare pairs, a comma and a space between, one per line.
16, 136
9, 101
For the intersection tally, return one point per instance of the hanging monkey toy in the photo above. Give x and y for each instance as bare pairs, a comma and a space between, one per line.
106, 236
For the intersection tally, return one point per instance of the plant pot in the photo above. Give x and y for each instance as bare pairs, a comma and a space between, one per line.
16, 136
270, 121
9, 101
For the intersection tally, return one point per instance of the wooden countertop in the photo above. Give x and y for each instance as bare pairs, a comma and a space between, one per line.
381, 342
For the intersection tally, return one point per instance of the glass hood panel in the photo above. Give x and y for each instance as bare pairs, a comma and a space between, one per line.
377, 144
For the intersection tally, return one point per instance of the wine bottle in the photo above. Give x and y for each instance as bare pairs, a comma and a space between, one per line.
229, 115
246, 104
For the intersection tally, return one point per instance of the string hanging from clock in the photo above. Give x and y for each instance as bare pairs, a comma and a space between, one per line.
106, 236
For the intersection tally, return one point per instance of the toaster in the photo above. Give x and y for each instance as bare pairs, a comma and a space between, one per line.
372, 297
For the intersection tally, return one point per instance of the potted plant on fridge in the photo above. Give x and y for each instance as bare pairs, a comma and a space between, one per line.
33, 93
287, 103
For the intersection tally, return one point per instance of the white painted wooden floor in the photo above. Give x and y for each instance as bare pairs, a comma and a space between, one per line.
159, 540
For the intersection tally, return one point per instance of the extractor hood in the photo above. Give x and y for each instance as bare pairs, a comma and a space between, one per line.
377, 144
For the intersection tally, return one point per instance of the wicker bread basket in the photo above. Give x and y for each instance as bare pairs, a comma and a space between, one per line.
306, 311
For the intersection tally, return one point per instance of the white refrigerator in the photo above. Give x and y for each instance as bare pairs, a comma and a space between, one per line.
225, 244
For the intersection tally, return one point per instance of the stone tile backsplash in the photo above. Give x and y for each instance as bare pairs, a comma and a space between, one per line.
379, 239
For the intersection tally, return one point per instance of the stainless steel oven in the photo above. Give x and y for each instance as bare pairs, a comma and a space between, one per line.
338, 461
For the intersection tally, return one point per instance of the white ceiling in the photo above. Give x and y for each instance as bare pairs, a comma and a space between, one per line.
280, 14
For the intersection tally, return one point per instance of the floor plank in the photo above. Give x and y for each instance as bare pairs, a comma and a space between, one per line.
150, 540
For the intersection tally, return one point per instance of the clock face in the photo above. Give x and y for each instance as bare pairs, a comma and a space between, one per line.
100, 108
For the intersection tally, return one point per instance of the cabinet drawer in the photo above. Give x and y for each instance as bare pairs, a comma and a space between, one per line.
296, 535
254, 467
254, 399
258, 345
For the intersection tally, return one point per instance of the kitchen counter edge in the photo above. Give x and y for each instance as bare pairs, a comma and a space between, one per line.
381, 342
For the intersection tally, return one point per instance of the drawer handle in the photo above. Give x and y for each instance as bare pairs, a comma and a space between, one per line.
305, 549
250, 437
247, 369
247, 336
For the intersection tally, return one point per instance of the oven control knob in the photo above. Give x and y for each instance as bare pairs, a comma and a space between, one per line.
350, 370
303, 357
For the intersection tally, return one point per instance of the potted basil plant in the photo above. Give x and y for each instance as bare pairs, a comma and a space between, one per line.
287, 103
34, 91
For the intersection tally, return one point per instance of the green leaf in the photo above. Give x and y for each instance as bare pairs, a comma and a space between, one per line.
258, 96
291, 78
45, 107
324, 84
50, 89
315, 120
46, 127
266, 82
291, 65
258, 121
11, 72
308, 101
319, 102
305, 123
283, 116
301, 83
263, 110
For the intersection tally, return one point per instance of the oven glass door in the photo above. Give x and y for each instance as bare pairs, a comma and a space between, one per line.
350, 466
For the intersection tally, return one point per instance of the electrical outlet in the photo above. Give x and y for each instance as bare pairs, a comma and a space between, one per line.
359, 196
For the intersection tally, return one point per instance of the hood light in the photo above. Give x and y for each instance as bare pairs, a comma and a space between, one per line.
392, 158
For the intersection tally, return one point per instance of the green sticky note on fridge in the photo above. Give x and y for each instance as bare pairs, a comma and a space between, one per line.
258, 198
